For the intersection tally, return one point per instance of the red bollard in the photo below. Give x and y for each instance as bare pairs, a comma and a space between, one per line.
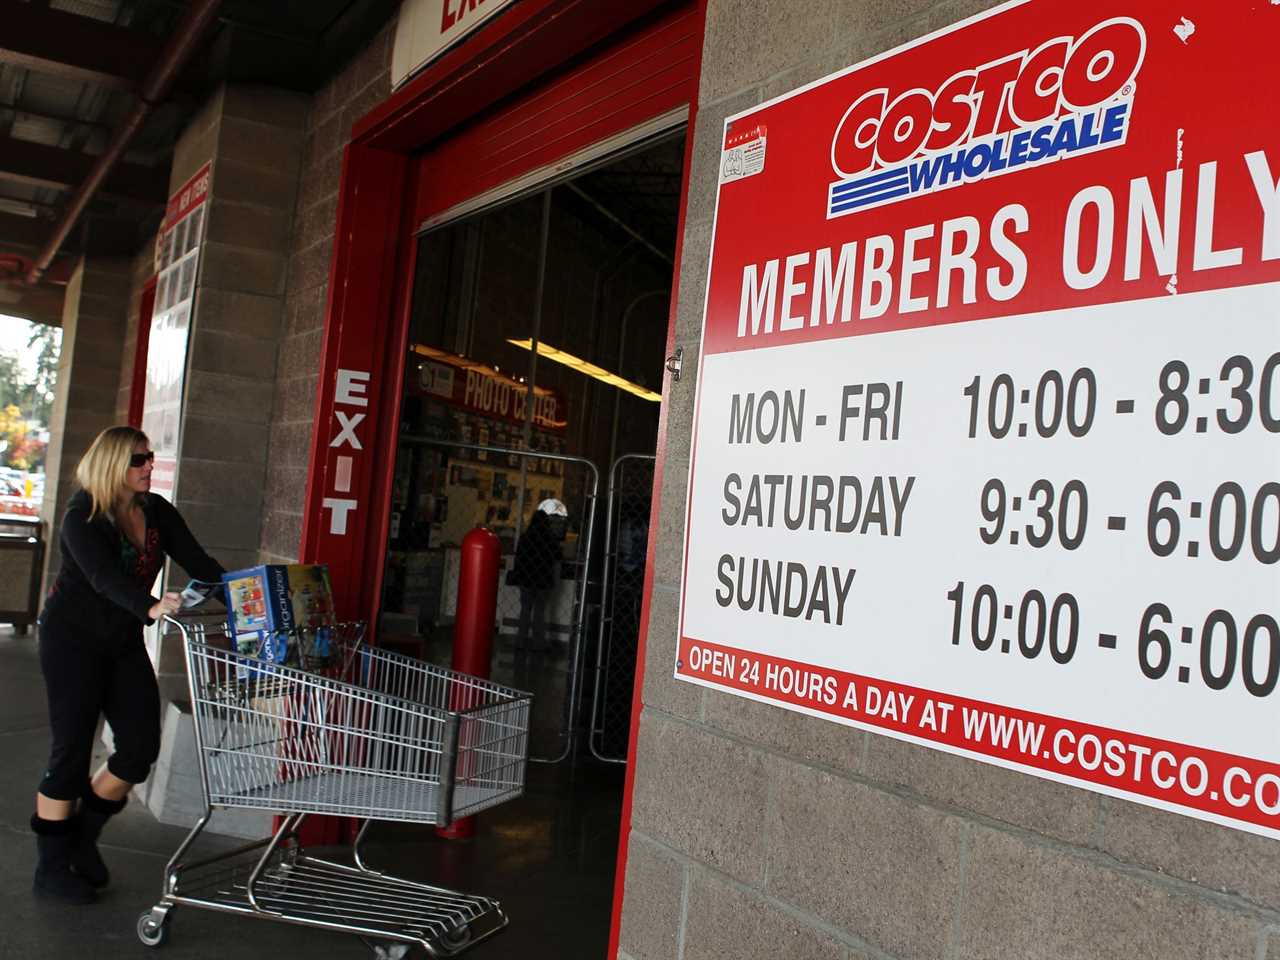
477, 602
473, 632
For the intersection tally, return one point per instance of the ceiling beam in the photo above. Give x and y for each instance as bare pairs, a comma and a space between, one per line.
80, 48
41, 166
16, 231
101, 236
108, 236
38, 304
25, 111
47, 210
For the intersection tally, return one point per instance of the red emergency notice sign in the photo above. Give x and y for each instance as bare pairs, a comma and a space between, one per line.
987, 443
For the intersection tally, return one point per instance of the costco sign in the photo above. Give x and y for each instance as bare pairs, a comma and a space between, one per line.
1066, 97
987, 436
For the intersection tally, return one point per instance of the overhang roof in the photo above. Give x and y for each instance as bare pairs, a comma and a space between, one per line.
69, 72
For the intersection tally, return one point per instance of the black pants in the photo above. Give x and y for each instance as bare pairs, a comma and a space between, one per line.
533, 607
88, 676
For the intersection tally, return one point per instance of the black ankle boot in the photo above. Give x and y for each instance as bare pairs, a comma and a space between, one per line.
85, 859
55, 840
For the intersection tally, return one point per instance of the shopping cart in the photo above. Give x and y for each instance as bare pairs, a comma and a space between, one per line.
334, 727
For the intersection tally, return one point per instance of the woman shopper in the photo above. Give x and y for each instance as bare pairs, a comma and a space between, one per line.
115, 536
535, 570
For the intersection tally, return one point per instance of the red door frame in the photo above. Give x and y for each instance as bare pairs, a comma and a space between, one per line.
353, 443
659, 467
138, 378
352, 446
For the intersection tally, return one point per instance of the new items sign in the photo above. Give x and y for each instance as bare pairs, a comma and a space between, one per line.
177, 260
987, 437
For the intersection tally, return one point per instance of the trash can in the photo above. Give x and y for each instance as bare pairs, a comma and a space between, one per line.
21, 564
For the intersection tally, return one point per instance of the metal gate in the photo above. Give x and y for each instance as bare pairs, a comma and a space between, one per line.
542, 593
622, 593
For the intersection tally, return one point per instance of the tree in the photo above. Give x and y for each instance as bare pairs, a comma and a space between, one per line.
18, 447
26, 396
47, 343
13, 382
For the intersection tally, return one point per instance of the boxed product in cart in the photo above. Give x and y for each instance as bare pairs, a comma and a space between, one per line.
267, 603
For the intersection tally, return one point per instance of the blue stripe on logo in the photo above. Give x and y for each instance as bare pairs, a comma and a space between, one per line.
847, 194
867, 181
862, 201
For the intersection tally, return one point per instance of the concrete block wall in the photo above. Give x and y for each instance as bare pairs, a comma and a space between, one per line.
756, 832
93, 325
254, 136
363, 83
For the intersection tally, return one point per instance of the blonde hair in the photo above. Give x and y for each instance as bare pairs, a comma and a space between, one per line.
103, 469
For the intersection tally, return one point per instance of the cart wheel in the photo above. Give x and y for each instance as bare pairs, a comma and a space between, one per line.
457, 938
151, 933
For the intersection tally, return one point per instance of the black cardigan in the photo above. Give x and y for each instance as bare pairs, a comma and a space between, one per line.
537, 562
93, 589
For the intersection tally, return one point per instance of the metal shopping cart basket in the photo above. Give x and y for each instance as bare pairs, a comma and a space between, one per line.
334, 727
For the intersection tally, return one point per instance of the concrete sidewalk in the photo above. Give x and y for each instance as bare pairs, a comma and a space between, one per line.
548, 857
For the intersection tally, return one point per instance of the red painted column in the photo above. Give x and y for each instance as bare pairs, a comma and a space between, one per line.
344, 523
473, 634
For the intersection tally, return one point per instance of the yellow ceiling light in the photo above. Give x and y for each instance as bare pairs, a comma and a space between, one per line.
590, 369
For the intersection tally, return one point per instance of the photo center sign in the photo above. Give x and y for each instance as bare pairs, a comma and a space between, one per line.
987, 435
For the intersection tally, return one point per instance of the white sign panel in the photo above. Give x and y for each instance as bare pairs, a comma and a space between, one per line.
177, 260
987, 438
427, 28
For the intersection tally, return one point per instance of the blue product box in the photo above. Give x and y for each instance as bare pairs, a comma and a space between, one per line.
265, 602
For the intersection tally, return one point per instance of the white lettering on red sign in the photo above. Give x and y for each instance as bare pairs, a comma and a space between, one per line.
352, 385
454, 12
340, 508
350, 389
811, 289
342, 483
347, 429
187, 197
1065, 97
498, 396
1020, 90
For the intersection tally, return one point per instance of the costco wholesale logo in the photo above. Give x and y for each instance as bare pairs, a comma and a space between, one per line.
1065, 98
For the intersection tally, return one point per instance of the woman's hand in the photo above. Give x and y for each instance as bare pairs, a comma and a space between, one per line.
169, 604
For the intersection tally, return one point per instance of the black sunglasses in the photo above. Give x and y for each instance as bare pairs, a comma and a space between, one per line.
138, 459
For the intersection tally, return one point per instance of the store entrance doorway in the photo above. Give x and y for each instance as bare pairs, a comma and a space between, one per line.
535, 361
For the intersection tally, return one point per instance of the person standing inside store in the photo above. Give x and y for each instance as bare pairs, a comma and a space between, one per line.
535, 570
115, 537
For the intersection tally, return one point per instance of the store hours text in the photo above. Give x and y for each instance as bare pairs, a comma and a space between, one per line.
1222, 649
1231, 396
865, 505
